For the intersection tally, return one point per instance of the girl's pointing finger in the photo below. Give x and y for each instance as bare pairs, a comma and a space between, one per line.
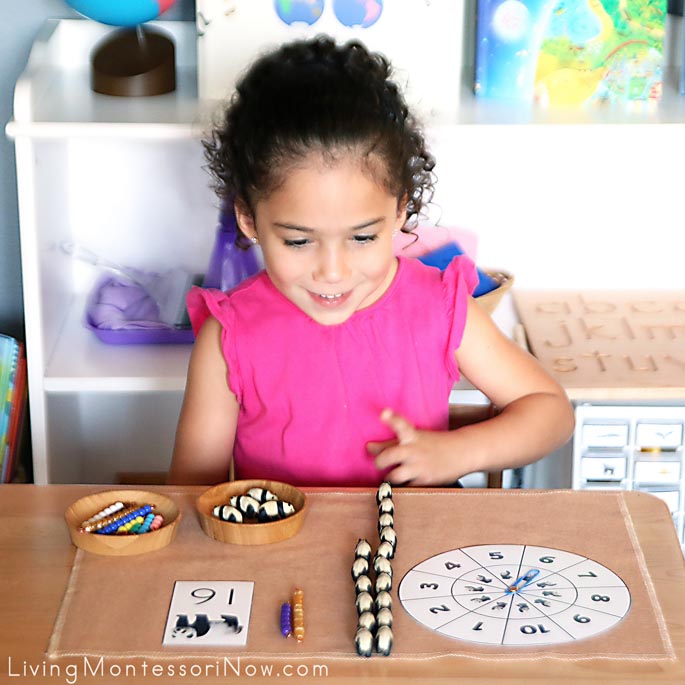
406, 433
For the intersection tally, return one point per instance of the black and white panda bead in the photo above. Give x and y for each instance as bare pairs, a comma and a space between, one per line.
385, 549
384, 640
364, 642
360, 567
385, 521
382, 565
367, 619
274, 510
386, 506
364, 603
261, 495
388, 534
363, 584
383, 601
383, 582
384, 491
226, 512
247, 505
384, 618
363, 549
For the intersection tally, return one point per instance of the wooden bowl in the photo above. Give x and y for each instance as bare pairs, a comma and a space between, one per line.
489, 301
250, 532
122, 545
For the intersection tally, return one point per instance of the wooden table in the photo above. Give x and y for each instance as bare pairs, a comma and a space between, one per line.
36, 558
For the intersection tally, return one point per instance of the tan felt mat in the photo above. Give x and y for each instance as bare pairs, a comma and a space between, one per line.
117, 606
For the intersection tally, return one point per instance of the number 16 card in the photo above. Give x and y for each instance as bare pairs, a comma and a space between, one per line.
209, 613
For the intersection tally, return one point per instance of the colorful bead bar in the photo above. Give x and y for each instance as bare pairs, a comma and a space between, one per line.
286, 619
107, 520
298, 615
112, 527
107, 511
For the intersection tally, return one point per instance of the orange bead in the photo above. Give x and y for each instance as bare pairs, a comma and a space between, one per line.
298, 615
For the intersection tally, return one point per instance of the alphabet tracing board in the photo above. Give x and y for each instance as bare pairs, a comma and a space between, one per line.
610, 344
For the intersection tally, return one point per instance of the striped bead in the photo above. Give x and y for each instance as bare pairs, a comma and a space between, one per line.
261, 495
384, 640
363, 584
364, 642
384, 617
385, 521
385, 506
384, 491
383, 601
362, 549
367, 620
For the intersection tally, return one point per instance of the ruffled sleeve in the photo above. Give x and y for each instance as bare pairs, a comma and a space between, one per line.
205, 302
459, 280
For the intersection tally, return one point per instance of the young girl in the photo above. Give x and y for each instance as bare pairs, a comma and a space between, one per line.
334, 365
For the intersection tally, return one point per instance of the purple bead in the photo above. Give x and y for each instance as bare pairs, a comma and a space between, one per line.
286, 619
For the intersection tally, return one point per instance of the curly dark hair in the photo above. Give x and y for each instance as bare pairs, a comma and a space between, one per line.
315, 96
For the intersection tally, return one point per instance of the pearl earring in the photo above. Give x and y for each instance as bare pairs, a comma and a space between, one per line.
254, 240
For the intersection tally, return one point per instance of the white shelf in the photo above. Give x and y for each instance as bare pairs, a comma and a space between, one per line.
82, 363
53, 98
482, 111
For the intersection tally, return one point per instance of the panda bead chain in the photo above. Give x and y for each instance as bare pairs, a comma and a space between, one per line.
373, 601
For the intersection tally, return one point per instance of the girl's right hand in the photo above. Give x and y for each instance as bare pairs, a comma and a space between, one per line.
417, 457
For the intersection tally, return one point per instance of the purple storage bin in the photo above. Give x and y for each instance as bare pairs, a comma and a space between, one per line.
119, 312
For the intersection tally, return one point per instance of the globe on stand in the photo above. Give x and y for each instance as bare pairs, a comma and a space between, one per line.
135, 60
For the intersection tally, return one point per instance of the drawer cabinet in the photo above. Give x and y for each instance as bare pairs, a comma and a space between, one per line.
633, 447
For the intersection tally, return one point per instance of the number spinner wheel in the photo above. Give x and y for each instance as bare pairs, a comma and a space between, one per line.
514, 595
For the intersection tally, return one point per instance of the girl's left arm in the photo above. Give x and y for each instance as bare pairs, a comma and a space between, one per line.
534, 415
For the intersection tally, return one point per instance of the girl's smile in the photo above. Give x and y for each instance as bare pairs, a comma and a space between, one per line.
326, 235
331, 300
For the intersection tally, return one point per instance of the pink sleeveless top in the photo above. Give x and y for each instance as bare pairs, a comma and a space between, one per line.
311, 395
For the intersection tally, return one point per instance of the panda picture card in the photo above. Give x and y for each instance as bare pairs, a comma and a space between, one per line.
209, 613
